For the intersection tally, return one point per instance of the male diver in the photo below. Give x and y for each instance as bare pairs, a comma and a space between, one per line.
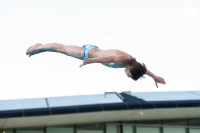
113, 58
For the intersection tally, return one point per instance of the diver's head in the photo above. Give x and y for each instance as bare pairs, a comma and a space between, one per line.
134, 69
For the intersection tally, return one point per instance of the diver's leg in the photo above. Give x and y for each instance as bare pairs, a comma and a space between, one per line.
70, 50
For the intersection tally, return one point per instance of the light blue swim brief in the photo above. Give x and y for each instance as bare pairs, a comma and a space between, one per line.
87, 49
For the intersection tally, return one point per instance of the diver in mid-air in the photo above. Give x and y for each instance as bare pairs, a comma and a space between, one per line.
92, 54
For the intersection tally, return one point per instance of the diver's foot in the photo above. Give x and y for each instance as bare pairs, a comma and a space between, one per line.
32, 50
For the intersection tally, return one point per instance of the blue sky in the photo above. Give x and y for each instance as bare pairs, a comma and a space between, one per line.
162, 34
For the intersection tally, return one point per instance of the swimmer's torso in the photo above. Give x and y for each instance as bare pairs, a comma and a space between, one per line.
96, 53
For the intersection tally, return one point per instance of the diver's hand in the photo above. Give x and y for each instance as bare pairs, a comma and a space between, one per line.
158, 79
87, 61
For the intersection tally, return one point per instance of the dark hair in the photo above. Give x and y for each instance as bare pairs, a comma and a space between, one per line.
138, 69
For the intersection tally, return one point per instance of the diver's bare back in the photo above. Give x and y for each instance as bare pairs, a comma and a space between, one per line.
95, 53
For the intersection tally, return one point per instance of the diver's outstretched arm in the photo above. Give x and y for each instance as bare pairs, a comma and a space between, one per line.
157, 79
109, 59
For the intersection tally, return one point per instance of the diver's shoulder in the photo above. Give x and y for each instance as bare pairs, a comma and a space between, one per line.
126, 56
